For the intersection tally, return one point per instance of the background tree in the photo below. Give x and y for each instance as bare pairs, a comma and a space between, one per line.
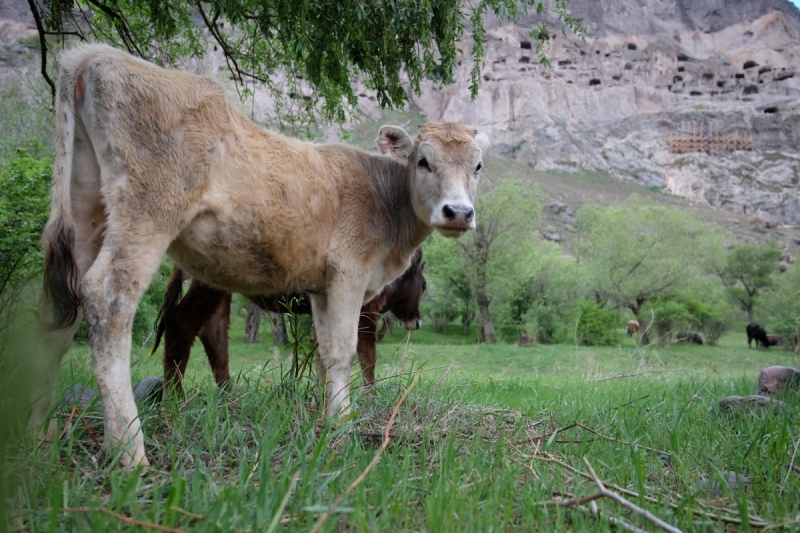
746, 270
637, 252
312, 48
545, 290
504, 239
449, 295
779, 305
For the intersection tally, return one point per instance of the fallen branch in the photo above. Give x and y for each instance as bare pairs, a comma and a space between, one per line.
644, 513
630, 402
755, 521
622, 441
655, 370
103, 510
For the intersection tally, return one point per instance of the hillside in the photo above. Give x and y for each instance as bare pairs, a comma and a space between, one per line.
700, 99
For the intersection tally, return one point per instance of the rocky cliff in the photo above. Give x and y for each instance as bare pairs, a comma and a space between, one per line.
701, 98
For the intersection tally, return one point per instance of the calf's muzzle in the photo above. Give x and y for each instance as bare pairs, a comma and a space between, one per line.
458, 216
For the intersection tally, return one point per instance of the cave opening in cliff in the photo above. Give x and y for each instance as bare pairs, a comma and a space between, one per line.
594, 81
631, 46
524, 59
526, 45
771, 110
750, 89
749, 64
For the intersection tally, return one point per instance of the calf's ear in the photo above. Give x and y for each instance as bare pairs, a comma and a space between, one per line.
483, 141
395, 142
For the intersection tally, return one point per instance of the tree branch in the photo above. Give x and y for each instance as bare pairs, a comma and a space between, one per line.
43, 45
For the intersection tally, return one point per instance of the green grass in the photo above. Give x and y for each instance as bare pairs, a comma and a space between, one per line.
462, 454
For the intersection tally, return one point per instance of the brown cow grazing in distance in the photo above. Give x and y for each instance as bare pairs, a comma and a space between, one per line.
633, 327
195, 315
152, 161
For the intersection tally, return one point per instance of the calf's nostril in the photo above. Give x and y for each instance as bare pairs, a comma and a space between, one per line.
470, 214
448, 213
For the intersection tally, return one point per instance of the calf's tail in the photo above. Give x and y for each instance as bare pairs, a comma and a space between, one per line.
61, 276
169, 309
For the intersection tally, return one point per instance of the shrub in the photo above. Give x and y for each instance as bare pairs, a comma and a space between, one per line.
441, 306
594, 325
24, 185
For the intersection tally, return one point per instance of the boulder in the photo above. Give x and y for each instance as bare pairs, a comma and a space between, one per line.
82, 397
778, 379
150, 390
742, 405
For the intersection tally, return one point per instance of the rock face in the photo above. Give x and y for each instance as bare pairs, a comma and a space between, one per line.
649, 74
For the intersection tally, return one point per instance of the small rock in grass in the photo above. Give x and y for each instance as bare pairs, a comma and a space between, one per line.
79, 396
714, 486
733, 405
149, 390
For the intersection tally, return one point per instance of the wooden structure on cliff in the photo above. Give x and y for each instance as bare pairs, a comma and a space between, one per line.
697, 137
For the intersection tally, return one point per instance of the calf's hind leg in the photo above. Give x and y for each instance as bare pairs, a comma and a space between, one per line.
111, 292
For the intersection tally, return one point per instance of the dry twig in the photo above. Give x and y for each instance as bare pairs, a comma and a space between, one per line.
644, 513
119, 516
622, 441
755, 521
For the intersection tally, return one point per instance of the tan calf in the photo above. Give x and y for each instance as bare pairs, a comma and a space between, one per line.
151, 161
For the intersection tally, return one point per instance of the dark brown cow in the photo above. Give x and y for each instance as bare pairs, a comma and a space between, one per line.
152, 162
205, 313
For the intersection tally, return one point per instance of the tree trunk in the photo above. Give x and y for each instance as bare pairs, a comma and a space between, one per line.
278, 325
749, 312
644, 330
466, 320
252, 322
486, 318
664, 334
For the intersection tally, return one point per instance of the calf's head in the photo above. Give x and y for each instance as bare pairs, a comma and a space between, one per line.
444, 163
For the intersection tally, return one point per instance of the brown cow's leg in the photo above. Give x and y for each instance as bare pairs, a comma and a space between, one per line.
193, 312
214, 337
367, 342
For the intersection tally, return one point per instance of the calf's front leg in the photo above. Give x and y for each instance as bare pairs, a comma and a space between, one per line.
336, 323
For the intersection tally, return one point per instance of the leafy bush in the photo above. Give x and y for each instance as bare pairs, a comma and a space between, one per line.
594, 325
24, 185
668, 315
711, 320
441, 307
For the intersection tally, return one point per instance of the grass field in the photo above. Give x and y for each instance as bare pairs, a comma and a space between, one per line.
489, 438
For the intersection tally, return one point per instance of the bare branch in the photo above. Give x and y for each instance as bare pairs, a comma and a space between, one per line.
644, 513
37, 17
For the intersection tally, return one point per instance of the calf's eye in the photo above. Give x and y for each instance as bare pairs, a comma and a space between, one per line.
479, 167
423, 163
